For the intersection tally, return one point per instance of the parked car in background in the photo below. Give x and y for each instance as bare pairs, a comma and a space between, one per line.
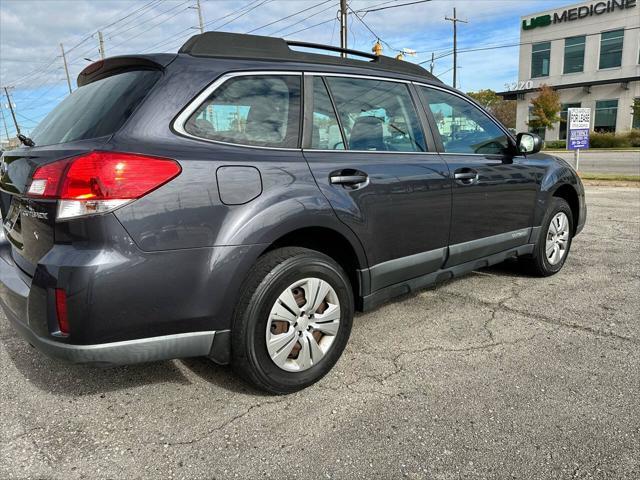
241, 199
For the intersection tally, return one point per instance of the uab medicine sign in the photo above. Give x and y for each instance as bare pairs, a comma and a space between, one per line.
578, 13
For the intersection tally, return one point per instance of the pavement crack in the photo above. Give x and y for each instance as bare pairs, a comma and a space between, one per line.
23, 434
223, 425
542, 318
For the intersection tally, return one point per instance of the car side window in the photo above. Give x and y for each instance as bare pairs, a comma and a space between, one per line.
325, 133
376, 115
463, 127
261, 110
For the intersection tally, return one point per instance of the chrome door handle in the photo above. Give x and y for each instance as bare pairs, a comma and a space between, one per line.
347, 179
465, 176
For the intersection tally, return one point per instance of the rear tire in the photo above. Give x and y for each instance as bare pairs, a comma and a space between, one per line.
281, 346
554, 241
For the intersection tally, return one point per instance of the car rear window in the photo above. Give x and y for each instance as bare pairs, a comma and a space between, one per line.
97, 109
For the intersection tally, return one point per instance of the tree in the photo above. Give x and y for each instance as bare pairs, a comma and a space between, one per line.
545, 111
503, 110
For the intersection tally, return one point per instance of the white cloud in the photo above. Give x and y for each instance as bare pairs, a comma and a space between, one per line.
31, 30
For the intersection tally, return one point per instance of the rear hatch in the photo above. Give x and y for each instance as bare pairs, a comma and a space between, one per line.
83, 122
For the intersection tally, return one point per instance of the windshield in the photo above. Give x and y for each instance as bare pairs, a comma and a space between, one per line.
97, 109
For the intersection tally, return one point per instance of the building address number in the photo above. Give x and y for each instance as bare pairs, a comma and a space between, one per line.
519, 85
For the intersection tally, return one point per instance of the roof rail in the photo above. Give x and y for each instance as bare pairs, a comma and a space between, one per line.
331, 48
237, 45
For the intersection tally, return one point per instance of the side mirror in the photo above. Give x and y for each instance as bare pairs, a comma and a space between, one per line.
528, 143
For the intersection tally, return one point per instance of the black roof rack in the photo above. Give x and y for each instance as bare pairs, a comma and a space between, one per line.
237, 45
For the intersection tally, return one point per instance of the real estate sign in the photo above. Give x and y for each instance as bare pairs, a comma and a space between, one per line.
579, 120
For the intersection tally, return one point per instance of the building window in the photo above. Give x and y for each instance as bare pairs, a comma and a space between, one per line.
606, 113
636, 113
611, 48
563, 118
574, 54
540, 58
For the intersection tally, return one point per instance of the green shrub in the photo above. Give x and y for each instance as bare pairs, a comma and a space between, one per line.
634, 137
555, 144
608, 140
602, 140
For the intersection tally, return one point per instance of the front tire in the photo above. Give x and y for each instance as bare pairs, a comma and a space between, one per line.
293, 320
554, 242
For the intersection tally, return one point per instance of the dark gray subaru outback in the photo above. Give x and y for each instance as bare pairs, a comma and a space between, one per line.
243, 205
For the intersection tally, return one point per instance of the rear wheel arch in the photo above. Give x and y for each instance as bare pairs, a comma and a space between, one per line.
333, 244
569, 194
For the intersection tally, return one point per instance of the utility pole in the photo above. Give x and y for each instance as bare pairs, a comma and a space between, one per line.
4, 122
455, 21
343, 26
101, 43
66, 68
13, 114
431, 65
200, 19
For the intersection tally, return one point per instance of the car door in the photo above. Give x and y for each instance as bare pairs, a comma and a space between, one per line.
493, 188
366, 149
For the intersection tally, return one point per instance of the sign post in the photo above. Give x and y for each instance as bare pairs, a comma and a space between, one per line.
579, 122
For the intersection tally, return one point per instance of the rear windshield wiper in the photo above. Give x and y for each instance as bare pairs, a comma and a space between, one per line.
26, 140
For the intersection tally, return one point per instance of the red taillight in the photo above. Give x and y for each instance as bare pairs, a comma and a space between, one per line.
100, 181
61, 311
102, 176
46, 180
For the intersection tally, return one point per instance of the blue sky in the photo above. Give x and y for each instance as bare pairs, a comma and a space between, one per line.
31, 30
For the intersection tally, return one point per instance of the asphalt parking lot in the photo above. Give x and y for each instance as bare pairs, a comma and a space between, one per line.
494, 375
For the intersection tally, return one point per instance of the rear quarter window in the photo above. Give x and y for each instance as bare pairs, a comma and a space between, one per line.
97, 109
260, 110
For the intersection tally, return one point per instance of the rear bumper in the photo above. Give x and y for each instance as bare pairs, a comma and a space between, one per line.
181, 345
125, 305
14, 298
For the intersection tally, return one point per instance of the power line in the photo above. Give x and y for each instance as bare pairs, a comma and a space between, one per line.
375, 35
247, 8
138, 10
367, 10
137, 25
182, 33
308, 28
301, 20
88, 37
243, 13
478, 49
40, 71
148, 6
289, 16
24, 117
153, 26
